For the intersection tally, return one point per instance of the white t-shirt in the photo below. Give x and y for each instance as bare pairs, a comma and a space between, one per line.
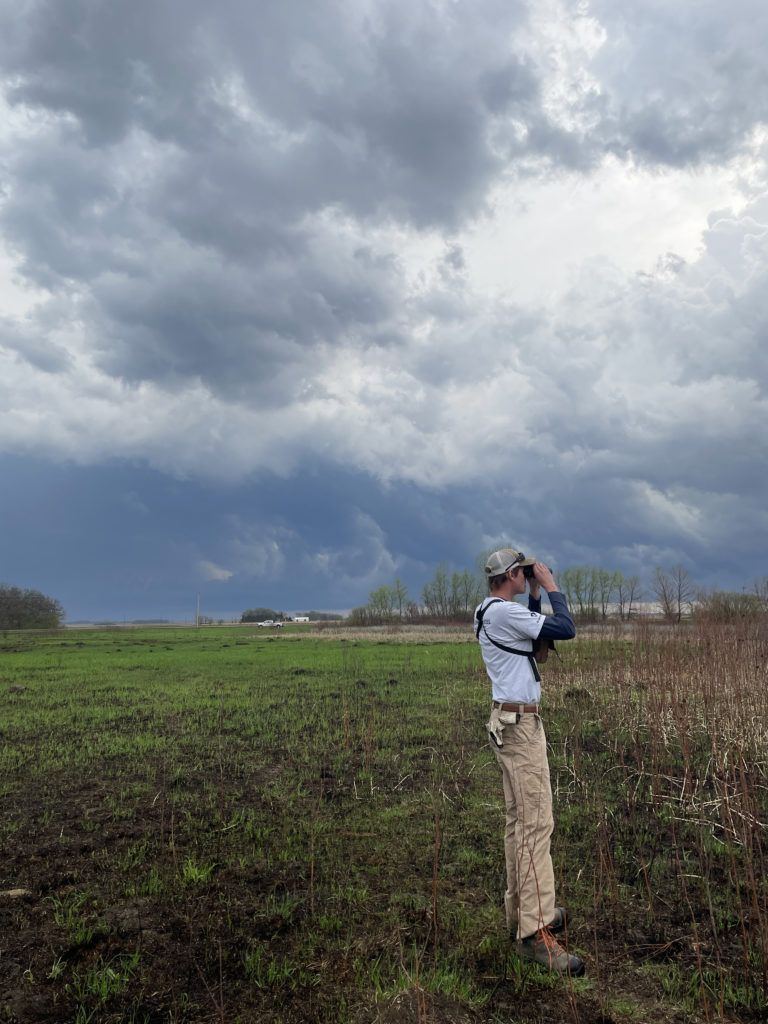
511, 675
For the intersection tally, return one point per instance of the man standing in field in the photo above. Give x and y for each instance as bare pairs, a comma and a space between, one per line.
507, 631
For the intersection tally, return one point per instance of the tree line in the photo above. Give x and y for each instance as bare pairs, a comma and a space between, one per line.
447, 596
262, 614
593, 593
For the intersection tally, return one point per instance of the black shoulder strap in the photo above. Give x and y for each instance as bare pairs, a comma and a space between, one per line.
502, 647
481, 613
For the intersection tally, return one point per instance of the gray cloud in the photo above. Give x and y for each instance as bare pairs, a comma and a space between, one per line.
35, 348
679, 84
305, 104
216, 201
244, 331
204, 186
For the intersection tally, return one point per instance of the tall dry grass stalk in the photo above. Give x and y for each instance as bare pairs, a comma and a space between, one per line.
667, 742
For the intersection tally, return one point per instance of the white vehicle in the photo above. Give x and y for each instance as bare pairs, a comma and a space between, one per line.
270, 624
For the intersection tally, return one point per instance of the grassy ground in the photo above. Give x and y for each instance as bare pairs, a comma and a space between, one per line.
222, 825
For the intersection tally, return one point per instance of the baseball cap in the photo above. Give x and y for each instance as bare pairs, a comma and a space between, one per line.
507, 558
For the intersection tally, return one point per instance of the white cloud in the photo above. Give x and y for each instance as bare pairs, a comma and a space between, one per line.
667, 512
531, 247
211, 571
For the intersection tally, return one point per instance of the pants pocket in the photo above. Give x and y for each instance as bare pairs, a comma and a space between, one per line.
509, 717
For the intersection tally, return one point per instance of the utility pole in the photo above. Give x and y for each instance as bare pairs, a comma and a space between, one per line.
197, 613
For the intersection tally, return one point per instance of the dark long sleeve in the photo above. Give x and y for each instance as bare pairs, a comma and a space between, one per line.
558, 626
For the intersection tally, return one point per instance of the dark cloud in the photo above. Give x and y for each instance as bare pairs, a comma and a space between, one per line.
244, 331
218, 201
194, 175
205, 181
326, 538
299, 104
109, 65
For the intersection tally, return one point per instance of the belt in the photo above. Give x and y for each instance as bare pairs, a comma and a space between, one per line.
526, 709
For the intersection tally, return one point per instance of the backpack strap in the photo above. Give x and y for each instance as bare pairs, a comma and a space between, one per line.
480, 614
503, 647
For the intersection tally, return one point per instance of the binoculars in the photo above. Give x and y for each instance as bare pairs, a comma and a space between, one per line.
528, 572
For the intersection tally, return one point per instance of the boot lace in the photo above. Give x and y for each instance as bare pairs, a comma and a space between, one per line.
553, 947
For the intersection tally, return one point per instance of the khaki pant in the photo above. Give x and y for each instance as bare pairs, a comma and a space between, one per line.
530, 895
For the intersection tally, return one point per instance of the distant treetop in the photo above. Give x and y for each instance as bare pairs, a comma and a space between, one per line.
260, 614
28, 609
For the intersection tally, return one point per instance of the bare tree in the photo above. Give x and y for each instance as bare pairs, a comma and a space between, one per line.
607, 582
674, 591
592, 580
412, 611
664, 591
437, 594
360, 616
573, 582
685, 590
581, 585
467, 590
628, 594
399, 596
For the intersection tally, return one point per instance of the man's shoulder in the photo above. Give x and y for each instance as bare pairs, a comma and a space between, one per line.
488, 604
509, 610
516, 610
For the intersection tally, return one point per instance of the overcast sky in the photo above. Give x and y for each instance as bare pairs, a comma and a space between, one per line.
299, 296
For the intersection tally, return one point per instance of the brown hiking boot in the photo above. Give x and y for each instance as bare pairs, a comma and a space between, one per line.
543, 948
559, 921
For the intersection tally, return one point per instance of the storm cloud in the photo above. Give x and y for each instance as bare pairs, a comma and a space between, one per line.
241, 241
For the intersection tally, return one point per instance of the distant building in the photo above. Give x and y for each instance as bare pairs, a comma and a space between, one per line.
301, 618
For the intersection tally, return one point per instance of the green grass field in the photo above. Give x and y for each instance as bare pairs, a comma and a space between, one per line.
225, 825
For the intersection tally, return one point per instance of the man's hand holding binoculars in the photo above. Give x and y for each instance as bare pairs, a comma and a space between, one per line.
541, 577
